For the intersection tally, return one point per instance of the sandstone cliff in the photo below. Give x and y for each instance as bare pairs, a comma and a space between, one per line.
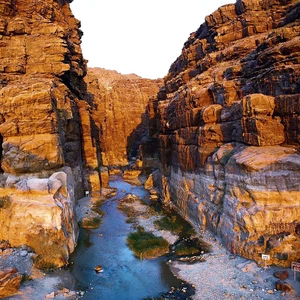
227, 121
119, 111
41, 112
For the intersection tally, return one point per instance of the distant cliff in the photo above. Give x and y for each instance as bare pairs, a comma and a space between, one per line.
120, 103
228, 128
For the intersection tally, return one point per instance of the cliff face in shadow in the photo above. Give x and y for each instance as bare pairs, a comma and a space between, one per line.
119, 110
227, 125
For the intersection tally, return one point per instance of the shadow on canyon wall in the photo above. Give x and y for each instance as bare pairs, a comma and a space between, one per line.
139, 134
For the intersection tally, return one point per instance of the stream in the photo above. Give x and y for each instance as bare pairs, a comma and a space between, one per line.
124, 276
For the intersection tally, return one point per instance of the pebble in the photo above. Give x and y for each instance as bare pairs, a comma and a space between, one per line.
23, 253
270, 292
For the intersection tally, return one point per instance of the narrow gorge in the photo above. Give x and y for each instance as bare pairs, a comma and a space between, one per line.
218, 136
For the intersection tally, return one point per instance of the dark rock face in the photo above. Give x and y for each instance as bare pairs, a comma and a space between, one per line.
227, 125
120, 102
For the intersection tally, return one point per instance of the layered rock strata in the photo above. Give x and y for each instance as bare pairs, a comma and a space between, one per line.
39, 212
120, 102
10, 281
227, 122
41, 123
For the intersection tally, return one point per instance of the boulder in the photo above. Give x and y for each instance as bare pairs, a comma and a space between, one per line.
284, 286
10, 281
282, 275
41, 215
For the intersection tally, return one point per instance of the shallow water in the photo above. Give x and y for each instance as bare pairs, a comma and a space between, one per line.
124, 276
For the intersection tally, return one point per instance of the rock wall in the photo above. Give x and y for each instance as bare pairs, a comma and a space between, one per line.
120, 102
44, 126
227, 122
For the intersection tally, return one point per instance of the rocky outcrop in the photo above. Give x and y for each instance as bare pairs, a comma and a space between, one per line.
39, 212
10, 281
41, 126
227, 125
119, 112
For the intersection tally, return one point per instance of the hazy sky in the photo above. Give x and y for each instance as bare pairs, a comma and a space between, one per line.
139, 36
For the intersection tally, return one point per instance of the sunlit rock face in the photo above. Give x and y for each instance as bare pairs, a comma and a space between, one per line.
41, 116
39, 212
120, 103
227, 121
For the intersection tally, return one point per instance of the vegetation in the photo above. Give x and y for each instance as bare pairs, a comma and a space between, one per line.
190, 247
169, 223
4, 201
175, 224
47, 248
186, 250
146, 245
26, 277
92, 222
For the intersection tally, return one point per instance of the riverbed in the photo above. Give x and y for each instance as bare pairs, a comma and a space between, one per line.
124, 276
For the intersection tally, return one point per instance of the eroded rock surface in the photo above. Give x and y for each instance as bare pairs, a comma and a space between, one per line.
41, 92
120, 102
10, 281
227, 125
39, 212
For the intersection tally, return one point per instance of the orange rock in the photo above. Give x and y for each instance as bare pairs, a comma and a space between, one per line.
10, 281
227, 126
119, 103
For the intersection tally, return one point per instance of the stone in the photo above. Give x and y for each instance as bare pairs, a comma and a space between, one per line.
250, 267
284, 286
10, 281
282, 275
120, 112
98, 269
224, 130
23, 253
49, 227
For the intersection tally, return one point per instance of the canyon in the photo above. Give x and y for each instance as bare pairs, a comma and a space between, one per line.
221, 130
226, 124
57, 138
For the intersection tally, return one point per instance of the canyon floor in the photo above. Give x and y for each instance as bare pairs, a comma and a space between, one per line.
221, 275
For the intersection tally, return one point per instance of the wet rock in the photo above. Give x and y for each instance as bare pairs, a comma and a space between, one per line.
284, 286
10, 281
283, 275
98, 269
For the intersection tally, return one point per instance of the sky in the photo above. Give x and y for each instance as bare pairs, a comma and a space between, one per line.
139, 36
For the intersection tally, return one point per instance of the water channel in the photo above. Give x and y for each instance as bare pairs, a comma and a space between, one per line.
124, 276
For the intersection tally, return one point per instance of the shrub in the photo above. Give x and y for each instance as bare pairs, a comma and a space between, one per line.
190, 247
146, 245
92, 223
4, 202
169, 223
